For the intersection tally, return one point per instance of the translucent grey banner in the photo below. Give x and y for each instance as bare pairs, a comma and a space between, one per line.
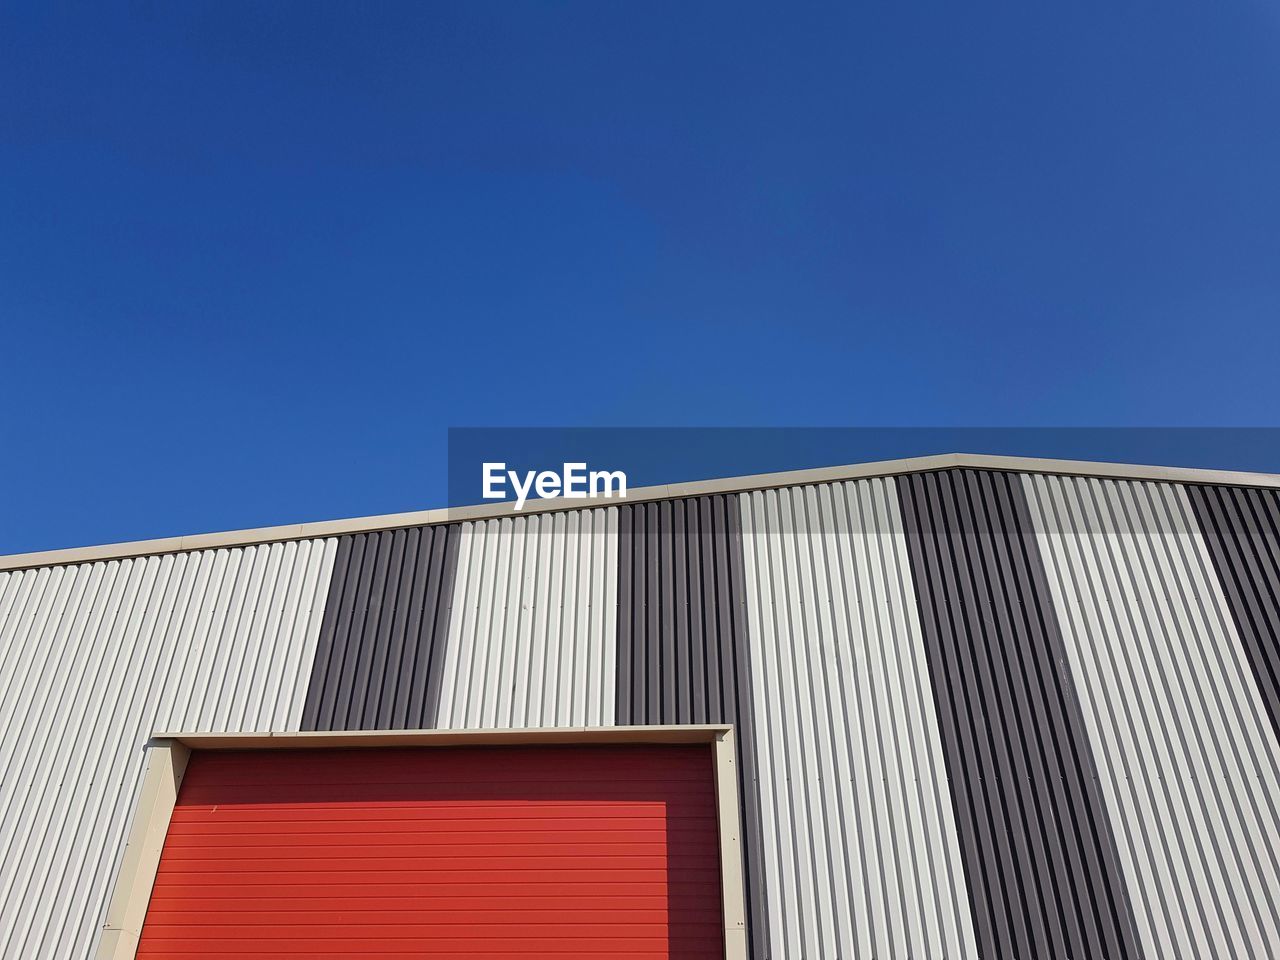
525, 465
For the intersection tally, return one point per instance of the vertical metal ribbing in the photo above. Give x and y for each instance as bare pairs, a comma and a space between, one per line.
1241, 527
1039, 852
1188, 761
532, 636
862, 859
682, 643
97, 657
381, 648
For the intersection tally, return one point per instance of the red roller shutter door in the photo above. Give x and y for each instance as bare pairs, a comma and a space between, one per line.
470, 852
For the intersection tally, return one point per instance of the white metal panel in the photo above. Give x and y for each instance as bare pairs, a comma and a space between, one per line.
862, 857
96, 657
1188, 762
533, 634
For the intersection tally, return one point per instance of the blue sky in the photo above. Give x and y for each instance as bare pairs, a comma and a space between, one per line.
256, 259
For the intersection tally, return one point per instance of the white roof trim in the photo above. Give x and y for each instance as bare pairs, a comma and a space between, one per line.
762, 481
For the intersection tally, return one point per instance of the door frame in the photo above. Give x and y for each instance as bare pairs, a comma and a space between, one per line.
166, 762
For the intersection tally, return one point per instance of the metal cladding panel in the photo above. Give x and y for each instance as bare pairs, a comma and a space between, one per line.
1043, 873
485, 852
1242, 528
862, 857
1188, 761
532, 636
682, 643
93, 659
380, 656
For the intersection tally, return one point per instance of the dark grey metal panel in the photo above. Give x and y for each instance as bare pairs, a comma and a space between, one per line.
1242, 528
1039, 853
380, 655
683, 655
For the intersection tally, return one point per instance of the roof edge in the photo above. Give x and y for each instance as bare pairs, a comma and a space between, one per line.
761, 481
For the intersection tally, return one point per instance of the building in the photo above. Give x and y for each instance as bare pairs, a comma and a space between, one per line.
949, 707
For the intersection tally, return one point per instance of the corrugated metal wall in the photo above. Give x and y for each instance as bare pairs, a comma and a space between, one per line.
95, 658
532, 635
1189, 763
1038, 849
1114, 675
1242, 529
683, 654
380, 658
861, 852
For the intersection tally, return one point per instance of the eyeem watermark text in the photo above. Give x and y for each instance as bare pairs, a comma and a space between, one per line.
574, 482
